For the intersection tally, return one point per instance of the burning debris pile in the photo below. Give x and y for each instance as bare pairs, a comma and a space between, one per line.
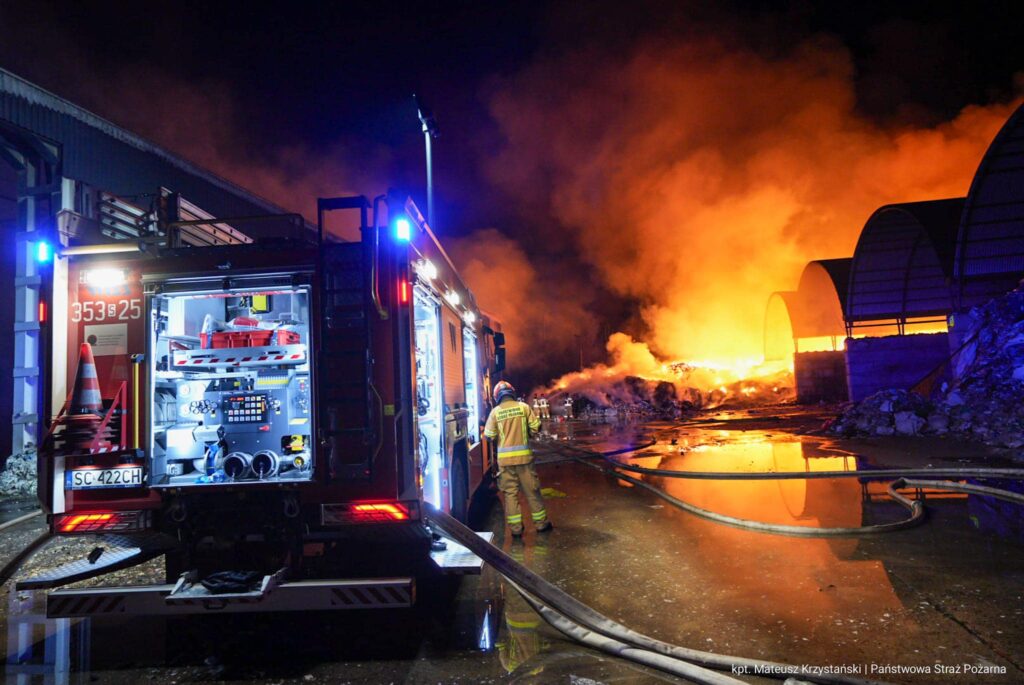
636, 382
628, 395
987, 404
18, 478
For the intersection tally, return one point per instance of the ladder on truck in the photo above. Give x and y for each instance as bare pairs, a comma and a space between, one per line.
346, 397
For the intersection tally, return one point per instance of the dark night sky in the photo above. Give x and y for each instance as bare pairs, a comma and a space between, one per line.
314, 75
347, 69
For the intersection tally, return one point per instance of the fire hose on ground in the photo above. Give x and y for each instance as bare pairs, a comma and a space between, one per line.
584, 624
581, 623
900, 480
12, 566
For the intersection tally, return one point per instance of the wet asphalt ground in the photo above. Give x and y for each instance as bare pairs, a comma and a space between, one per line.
944, 599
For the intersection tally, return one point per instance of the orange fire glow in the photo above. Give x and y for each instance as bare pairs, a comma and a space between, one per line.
714, 381
698, 179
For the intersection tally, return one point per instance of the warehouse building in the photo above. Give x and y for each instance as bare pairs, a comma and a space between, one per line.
905, 296
989, 258
900, 295
64, 172
990, 243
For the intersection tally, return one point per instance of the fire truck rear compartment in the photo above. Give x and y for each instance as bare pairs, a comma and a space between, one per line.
230, 387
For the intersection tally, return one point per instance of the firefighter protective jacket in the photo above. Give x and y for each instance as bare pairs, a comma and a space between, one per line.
511, 423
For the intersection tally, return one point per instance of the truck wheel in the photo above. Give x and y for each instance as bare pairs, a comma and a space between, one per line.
460, 489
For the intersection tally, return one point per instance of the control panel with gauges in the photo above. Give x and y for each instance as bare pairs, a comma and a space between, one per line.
245, 408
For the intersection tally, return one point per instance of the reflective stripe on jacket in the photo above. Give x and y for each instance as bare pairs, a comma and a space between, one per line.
511, 423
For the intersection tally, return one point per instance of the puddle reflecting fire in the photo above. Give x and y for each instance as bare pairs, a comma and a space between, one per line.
805, 576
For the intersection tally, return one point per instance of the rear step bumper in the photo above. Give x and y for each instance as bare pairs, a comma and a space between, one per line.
111, 553
304, 595
456, 559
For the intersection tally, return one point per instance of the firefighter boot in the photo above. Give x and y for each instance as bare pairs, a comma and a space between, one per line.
530, 484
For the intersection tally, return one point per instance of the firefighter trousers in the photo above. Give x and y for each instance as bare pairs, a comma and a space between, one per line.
512, 479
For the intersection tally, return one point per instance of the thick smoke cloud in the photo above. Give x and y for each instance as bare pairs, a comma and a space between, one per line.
699, 179
541, 312
691, 175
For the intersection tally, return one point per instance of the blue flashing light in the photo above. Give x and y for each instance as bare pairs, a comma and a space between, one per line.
44, 252
403, 229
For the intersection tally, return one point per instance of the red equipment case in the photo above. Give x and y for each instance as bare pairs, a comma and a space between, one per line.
256, 338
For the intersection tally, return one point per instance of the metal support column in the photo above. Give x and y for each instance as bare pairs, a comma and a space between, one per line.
28, 285
39, 191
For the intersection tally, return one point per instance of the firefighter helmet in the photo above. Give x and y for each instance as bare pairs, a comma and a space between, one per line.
502, 390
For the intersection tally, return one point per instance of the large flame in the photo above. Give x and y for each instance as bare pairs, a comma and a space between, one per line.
693, 176
698, 383
698, 179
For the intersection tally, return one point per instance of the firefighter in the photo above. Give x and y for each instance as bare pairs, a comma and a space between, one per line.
545, 408
511, 423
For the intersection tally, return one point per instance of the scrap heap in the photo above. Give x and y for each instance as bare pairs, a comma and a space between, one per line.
985, 405
18, 478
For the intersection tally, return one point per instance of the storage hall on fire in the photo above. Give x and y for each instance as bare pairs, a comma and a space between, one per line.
893, 315
64, 170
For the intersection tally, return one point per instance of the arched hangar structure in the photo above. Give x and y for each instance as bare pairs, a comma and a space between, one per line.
989, 258
901, 294
806, 325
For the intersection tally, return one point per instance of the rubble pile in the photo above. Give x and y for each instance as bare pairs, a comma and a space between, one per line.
18, 478
986, 404
889, 412
632, 395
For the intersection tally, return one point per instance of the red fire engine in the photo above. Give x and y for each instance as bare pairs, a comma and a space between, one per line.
271, 415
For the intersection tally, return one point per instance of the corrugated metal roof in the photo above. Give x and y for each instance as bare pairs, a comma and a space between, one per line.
990, 248
821, 297
903, 264
779, 329
815, 309
107, 156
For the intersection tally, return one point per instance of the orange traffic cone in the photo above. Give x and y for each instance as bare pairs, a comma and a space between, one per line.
85, 410
85, 398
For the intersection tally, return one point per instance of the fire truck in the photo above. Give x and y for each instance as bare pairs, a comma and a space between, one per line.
271, 416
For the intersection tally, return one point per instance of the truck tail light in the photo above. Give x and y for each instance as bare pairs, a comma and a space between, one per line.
380, 512
369, 512
403, 291
105, 521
